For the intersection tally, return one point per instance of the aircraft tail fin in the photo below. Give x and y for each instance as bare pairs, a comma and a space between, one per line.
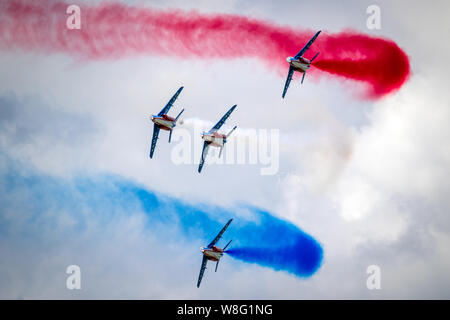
303, 77
229, 133
217, 264
176, 119
315, 57
227, 245
174, 124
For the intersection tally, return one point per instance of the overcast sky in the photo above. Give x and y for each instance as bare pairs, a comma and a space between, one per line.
369, 180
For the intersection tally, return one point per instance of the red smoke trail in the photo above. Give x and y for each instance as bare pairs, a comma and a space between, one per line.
112, 30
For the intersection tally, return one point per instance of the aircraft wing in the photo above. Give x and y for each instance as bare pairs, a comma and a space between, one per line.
204, 153
306, 47
202, 271
288, 80
169, 104
224, 118
154, 139
220, 234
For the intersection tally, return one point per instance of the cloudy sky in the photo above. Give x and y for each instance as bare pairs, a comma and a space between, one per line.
367, 179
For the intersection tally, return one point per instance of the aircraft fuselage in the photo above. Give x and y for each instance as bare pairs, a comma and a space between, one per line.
213, 254
301, 64
164, 122
215, 139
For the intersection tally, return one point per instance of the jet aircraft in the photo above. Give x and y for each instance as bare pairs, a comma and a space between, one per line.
213, 253
299, 63
214, 138
164, 122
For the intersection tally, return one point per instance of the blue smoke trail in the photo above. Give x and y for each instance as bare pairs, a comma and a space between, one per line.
279, 245
258, 236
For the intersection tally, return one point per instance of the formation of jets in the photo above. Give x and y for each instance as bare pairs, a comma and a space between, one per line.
211, 138
215, 139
